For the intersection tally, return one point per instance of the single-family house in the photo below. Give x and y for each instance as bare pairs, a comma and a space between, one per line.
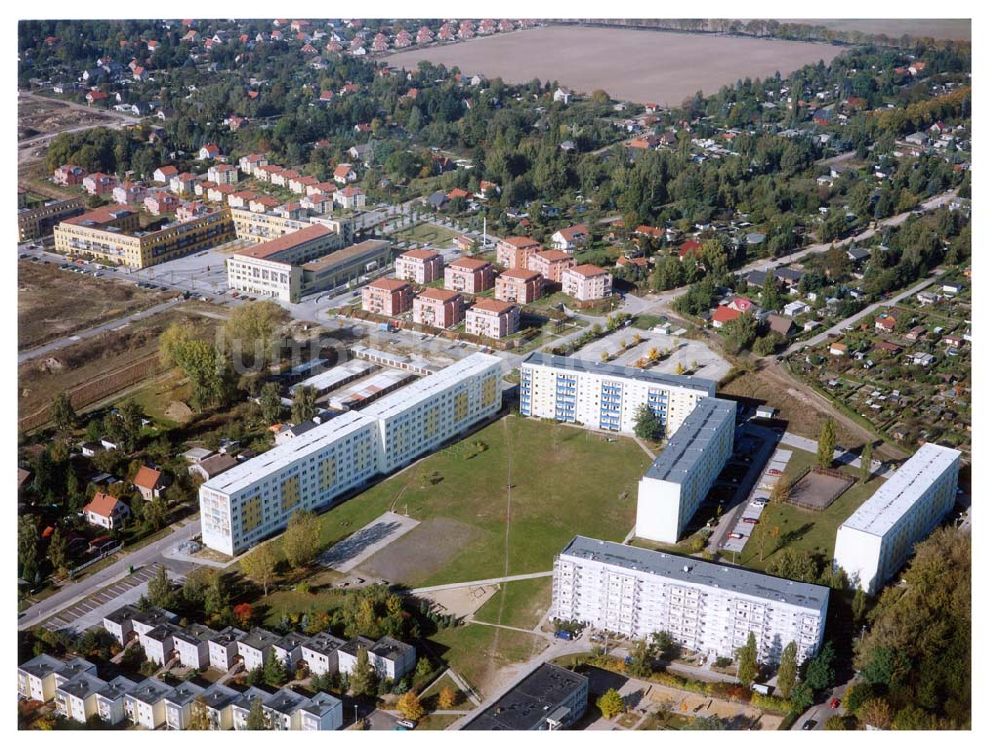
106, 511
149, 482
570, 238
209, 151
344, 174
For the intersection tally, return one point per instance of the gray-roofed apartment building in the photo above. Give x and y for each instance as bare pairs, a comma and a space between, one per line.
706, 607
550, 697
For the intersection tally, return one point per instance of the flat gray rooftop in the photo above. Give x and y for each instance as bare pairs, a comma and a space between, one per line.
701, 572
893, 500
620, 371
695, 435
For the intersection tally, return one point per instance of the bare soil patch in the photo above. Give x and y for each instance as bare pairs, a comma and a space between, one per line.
39, 116
422, 551
819, 488
640, 66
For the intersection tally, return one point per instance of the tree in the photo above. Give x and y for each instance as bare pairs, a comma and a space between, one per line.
819, 674
303, 404
801, 696
447, 698
666, 647
275, 673
876, 713
826, 444
259, 563
243, 614
866, 462
251, 329
740, 334
27, 546
705, 723
611, 704
782, 490
409, 705
58, 552
199, 715
302, 538
859, 604
160, 591
787, 669
770, 295
216, 599
270, 403
211, 375
256, 718
647, 424
63, 414
641, 660
423, 667
363, 677
747, 669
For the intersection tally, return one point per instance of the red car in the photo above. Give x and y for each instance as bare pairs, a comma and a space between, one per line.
835, 703
751, 521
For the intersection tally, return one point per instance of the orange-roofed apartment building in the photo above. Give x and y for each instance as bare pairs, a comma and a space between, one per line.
387, 297
551, 264
106, 511
271, 269
518, 285
513, 252
586, 282
468, 275
492, 318
420, 266
438, 308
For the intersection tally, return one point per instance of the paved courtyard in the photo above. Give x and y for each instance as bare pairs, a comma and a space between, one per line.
346, 555
695, 356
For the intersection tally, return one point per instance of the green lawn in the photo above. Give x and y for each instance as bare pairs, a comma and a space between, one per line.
520, 604
421, 233
801, 529
476, 651
437, 722
564, 481
429, 699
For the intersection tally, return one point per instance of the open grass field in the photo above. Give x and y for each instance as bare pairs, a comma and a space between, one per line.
520, 604
53, 303
433, 234
476, 652
429, 698
563, 481
639, 66
801, 529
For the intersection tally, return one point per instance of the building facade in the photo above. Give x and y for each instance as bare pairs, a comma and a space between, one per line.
518, 285
681, 476
606, 397
420, 266
513, 252
255, 499
387, 297
587, 282
492, 318
438, 308
551, 264
33, 223
468, 275
706, 607
876, 540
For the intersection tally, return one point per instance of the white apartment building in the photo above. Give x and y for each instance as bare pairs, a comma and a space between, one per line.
36, 678
706, 607
391, 659
254, 499
606, 397
681, 476
874, 543
223, 648
255, 647
320, 653
145, 704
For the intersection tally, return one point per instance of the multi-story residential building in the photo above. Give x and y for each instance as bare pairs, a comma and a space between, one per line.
469, 275
391, 659
178, 704
551, 264
438, 308
387, 297
676, 484
518, 285
36, 678
288, 651
492, 318
708, 608
587, 282
513, 252
33, 223
111, 700
218, 701
113, 234
223, 174
76, 697
191, 645
548, 698
99, 183
254, 499
606, 397
69, 174
158, 643
875, 541
129, 192
240, 708
255, 646
145, 704
128, 622
420, 266
320, 653
223, 648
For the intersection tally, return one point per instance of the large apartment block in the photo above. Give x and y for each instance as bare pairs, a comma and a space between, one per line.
518, 285
874, 543
468, 275
587, 282
113, 233
492, 318
33, 223
706, 607
681, 476
255, 499
606, 397
420, 266
387, 297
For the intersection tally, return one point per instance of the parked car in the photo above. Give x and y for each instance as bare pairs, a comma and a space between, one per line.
809, 724
564, 635
406, 724
735, 535
835, 703
751, 521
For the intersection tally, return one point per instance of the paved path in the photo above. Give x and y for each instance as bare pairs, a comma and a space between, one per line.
61, 343
75, 592
504, 627
841, 457
841, 326
484, 582
347, 554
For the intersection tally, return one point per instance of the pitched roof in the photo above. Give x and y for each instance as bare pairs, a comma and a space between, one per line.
488, 304
588, 270
101, 505
147, 478
723, 314
553, 256
391, 285
286, 241
517, 241
469, 264
441, 295
522, 274
420, 254
569, 232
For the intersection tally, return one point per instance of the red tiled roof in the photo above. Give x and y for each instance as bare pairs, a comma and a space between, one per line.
147, 478
469, 264
725, 314
266, 249
517, 241
441, 295
553, 256
101, 505
420, 254
391, 285
588, 270
521, 274
493, 305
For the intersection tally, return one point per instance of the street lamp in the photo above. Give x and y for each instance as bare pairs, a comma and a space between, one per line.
355, 712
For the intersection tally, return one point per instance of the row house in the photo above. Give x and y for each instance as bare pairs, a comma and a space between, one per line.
250, 162
223, 174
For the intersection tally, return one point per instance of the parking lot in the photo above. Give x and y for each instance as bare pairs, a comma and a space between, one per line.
91, 610
747, 521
